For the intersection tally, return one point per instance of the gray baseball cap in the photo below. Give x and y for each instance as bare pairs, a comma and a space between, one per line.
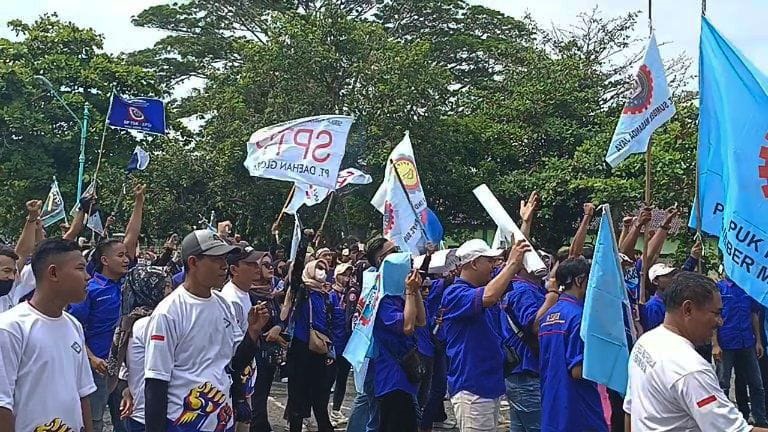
205, 242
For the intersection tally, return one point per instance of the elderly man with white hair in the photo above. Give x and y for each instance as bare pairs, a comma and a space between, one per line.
473, 340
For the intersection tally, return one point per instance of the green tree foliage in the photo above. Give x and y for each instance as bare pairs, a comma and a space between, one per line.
487, 98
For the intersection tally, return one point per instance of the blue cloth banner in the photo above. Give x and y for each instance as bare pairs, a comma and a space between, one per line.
141, 114
433, 227
606, 352
733, 144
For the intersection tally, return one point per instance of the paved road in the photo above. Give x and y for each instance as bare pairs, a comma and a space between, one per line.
279, 396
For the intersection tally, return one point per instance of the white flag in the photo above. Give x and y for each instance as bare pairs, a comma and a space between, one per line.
649, 107
403, 222
307, 150
94, 223
295, 238
310, 195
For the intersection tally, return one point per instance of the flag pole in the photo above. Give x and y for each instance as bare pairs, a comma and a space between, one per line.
698, 174
648, 195
103, 136
325, 217
276, 225
408, 197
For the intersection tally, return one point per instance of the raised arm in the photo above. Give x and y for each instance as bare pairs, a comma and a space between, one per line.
577, 246
26, 242
627, 247
414, 305
77, 226
294, 283
527, 211
626, 225
498, 285
657, 241
133, 229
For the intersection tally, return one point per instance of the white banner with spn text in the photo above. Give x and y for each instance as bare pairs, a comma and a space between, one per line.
307, 150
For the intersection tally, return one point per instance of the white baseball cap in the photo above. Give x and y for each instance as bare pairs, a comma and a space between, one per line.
474, 249
659, 269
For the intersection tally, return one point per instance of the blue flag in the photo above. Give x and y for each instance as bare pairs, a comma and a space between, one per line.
141, 114
139, 160
606, 351
733, 150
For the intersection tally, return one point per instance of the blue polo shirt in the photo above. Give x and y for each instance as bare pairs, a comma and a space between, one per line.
567, 404
320, 315
99, 313
393, 344
433, 308
424, 338
738, 306
340, 331
521, 304
473, 346
652, 314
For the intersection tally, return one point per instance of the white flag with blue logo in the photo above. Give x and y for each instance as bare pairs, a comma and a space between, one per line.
139, 160
649, 107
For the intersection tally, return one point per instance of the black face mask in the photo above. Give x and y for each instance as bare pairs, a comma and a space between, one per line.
5, 286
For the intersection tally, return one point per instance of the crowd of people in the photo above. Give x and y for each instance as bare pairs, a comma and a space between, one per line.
192, 338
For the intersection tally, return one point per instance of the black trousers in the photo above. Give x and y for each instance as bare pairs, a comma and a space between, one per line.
342, 375
265, 374
308, 387
397, 412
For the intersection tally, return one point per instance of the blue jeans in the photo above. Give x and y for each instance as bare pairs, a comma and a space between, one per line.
133, 426
364, 416
745, 363
524, 395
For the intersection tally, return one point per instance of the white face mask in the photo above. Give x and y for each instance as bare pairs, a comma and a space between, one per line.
320, 275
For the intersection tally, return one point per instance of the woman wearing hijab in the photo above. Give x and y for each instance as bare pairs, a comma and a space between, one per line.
143, 290
311, 352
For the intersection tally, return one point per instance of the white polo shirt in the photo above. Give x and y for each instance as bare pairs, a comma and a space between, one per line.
190, 342
241, 305
134, 362
672, 388
44, 369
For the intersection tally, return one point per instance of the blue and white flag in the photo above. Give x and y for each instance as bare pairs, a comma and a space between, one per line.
649, 107
139, 160
733, 145
53, 209
606, 350
94, 223
141, 114
388, 280
403, 221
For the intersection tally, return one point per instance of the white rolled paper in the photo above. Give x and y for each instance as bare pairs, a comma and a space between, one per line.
531, 261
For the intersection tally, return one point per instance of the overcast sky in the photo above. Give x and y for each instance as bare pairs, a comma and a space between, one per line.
676, 21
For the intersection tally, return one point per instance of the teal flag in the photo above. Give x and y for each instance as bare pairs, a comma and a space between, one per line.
606, 351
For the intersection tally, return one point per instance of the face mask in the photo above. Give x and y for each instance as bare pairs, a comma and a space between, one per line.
5, 286
320, 275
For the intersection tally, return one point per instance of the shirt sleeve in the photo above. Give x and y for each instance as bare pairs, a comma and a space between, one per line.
574, 349
523, 307
10, 356
463, 302
162, 337
700, 395
85, 383
628, 397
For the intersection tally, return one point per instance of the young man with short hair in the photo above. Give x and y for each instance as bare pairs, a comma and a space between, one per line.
99, 313
45, 379
195, 346
473, 342
568, 401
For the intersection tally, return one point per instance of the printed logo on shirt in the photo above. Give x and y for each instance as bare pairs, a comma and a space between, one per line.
227, 323
103, 298
643, 359
247, 378
706, 401
202, 402
55, 425
157, 337
553, 318
76, 347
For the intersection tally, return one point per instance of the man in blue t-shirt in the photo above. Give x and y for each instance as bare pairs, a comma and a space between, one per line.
736, 345
473, 344
100, 313
568, 401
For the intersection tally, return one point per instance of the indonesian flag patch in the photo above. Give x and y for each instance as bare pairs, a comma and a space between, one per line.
706, 401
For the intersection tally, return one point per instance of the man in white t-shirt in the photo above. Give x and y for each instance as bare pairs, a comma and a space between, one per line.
45, 377
671, 387
194, 345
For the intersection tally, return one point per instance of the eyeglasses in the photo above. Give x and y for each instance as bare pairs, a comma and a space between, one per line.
267, 265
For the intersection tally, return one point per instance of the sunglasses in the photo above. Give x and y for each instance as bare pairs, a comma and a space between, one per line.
267, 265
